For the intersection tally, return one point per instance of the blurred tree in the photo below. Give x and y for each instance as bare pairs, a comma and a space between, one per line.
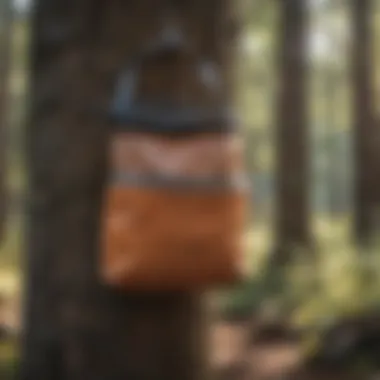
5, 55
365, 133
376, 101
292, 172
256, 87
75, 328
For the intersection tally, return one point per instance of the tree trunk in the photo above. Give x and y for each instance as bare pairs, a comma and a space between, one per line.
365, 133
5, 50
76, 328
292, 176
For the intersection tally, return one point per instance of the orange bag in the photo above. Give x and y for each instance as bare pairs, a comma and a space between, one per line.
174, 208
174, 213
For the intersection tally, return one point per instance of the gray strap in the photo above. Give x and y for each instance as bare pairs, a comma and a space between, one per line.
239, 182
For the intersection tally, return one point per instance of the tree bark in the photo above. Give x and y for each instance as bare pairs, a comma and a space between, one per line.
5, 55
292, 172
365, 132
75, 327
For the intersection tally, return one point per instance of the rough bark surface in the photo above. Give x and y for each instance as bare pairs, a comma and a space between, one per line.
292, 218
76, 328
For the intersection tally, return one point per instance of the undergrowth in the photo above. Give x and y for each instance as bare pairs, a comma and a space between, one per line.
313, 291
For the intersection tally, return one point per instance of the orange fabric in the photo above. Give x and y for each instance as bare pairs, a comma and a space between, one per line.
160, 239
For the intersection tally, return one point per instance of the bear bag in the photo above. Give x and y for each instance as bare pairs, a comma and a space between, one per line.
174, 210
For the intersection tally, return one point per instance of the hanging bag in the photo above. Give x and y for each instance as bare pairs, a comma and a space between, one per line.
175, 202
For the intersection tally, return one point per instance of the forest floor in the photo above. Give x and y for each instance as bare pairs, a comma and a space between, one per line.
236, 357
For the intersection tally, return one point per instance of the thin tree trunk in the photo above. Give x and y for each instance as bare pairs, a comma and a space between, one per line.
5, 55
75, 328
292, 219
365, 133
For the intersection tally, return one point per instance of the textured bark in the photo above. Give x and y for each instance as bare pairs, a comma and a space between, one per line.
76, 328
5, 50
292, 175
366, 136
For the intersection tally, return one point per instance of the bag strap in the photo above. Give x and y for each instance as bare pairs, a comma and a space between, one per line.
160, 115
218, 183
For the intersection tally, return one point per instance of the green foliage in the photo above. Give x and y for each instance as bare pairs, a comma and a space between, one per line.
8, 360
339, 281
11, 245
